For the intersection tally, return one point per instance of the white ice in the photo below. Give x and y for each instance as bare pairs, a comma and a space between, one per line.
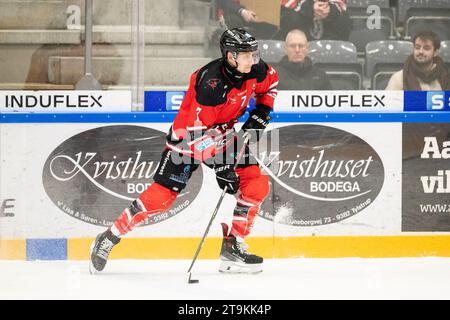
350, 278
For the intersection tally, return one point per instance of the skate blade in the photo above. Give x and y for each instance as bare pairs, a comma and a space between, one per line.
236, 267
92, 269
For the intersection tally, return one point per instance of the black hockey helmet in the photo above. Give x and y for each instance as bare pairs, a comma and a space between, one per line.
237, 40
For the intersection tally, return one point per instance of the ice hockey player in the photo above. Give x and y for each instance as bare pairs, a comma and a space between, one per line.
217, 96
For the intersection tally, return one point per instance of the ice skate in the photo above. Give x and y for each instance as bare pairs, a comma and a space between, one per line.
235, 258
100, 250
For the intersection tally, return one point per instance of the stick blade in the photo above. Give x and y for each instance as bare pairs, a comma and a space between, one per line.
191, 281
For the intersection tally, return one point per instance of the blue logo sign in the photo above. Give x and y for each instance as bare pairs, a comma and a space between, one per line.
427, 101
438, 101
174, 100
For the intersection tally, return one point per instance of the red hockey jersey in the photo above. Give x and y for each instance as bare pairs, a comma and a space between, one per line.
213, 99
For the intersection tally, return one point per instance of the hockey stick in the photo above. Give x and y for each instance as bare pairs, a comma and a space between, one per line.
246, 138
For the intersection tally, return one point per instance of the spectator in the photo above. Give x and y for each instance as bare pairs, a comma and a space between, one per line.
296, 70
424, 70
322, 19
236, 15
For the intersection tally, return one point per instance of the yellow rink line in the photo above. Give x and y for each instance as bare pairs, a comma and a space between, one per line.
268, 247
12, 250
278, 247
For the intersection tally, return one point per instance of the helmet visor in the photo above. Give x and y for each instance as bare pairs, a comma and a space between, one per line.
245, 58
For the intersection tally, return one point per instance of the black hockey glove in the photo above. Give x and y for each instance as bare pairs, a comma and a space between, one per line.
227, 177
257, 121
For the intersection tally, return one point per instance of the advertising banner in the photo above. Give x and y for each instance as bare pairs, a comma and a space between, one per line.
328, 178
299, 101
419, 101
426, 177
77, 182
65, 101
331, 179
95, 174
339, 101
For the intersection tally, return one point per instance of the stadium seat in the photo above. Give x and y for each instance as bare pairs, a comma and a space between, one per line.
366, 3
438, 24
433, 15
410, 8
339, 59
383, 58
362, 33
272, 51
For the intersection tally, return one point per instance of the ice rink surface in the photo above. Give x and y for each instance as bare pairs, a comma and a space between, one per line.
350, 278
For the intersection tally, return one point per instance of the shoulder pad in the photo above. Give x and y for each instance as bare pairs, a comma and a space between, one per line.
210, 86
259, 71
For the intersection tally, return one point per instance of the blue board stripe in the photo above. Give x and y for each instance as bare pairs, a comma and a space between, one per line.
363, 117
150, 117
46, 249
87, 117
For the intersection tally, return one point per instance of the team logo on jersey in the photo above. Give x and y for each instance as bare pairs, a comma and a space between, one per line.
95, 174
204, 144
213, 83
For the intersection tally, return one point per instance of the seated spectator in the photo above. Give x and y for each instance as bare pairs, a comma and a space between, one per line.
296, 70
424, 70
321, 20
236, 15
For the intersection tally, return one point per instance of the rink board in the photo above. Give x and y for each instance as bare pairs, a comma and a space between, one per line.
64, 182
